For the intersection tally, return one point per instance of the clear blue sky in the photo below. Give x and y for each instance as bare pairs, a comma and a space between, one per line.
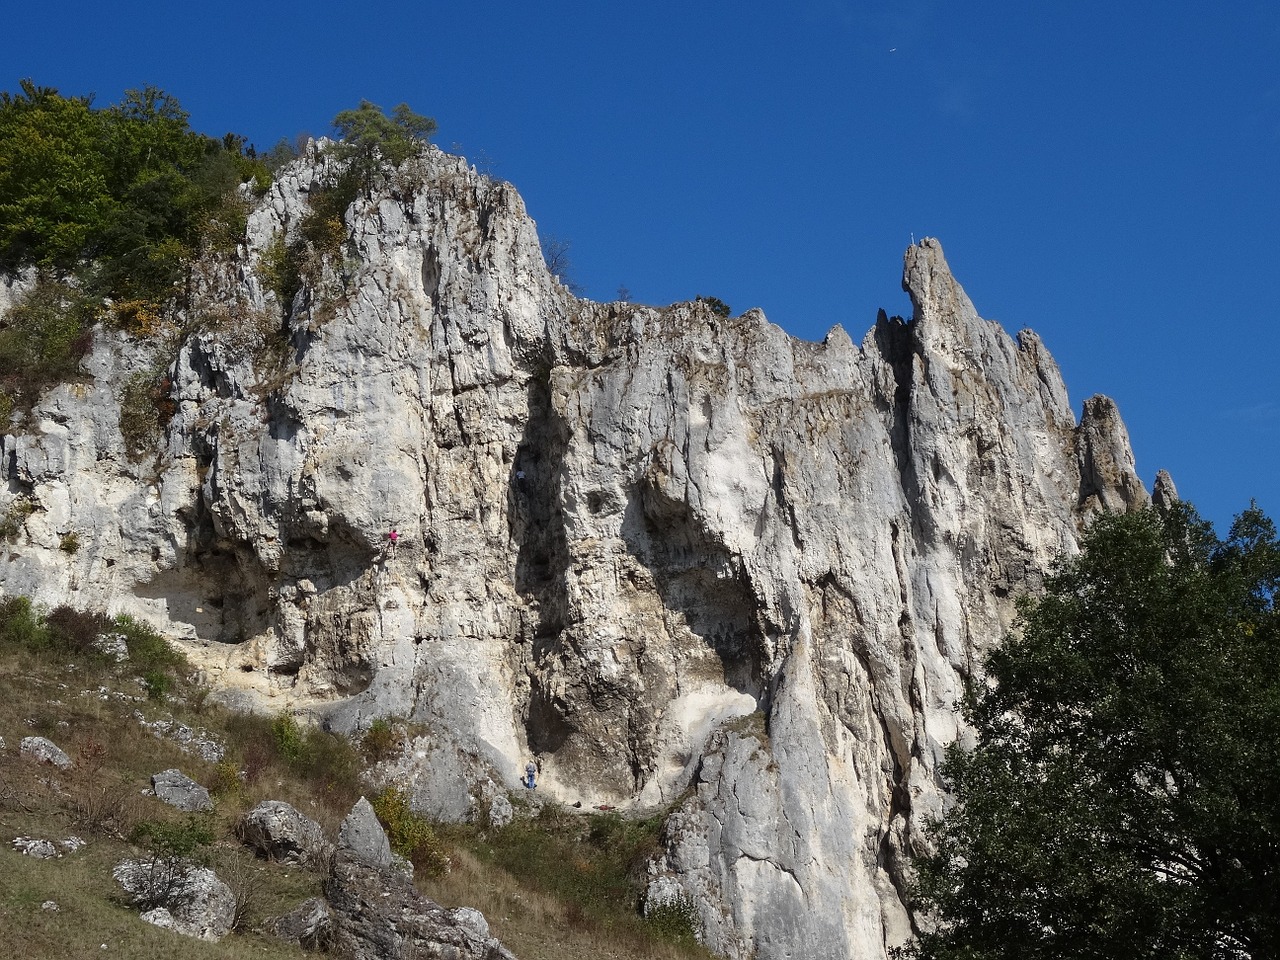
1106, 174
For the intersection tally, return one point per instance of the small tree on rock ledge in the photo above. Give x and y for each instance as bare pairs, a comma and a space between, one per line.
368, 134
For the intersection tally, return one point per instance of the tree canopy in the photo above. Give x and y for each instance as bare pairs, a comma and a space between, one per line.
122, 195
1122, 799
368, 134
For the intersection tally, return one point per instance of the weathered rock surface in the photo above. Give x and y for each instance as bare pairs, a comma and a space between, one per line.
43, 750
309, 925
377, 913
655, 548
178, 790
277, 830
362, 836
179, 896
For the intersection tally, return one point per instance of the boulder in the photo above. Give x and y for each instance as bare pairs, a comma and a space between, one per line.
278, 831
376, 913
179, 895
44, 751
362, 835
178, 790
308, 925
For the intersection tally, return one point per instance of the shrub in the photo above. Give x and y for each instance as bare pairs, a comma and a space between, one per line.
69, 543
146, 407
148, 650
675, 920
411, 835
157, 684
13, 518
281, 270
43, 341
716, 306
291, 745
75, 631
380, 741
227, 781
21, 625
174, 839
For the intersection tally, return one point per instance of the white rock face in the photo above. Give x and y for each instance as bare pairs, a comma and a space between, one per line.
666, 553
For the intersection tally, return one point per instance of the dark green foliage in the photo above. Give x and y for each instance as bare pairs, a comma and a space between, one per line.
21, 624
1123, 797
716, 305
148, 650
291, 744
167, 839
122, 196
369, 136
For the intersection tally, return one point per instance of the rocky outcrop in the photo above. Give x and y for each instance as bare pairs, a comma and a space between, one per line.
374, 910
179, 895
678, 558
278, 831
178, 790
43, 750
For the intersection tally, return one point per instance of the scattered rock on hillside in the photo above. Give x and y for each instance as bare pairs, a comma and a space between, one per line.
179, 896
377, 913
279, 832
198, 743
112, 646
178, 790
47, 849
45, 751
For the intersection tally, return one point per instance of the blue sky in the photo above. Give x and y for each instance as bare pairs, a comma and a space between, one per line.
1106, 174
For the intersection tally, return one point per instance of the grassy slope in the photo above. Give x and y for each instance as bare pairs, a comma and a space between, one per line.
554, 887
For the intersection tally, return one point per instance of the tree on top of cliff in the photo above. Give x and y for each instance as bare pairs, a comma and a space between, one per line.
122, 196
368, 134
1121, 799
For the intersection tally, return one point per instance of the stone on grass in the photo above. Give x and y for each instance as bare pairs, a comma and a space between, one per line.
307, 925
279, 832
44, 751
179, 895
178, 790
376, 913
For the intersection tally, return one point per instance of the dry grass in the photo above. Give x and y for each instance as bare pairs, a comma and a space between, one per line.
535, 926
559, 887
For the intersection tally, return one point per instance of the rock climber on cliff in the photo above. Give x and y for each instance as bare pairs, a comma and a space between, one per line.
393, 541
530, 775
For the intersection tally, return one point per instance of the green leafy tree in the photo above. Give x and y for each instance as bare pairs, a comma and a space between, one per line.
122, 197
368, 135
1123, 796
54, 177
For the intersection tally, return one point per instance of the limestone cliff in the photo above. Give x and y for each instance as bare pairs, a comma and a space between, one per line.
680, 559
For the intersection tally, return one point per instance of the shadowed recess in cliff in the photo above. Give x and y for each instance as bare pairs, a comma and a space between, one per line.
701, 582
535, 521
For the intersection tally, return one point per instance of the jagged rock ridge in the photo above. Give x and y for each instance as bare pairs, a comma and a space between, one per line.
678, 558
